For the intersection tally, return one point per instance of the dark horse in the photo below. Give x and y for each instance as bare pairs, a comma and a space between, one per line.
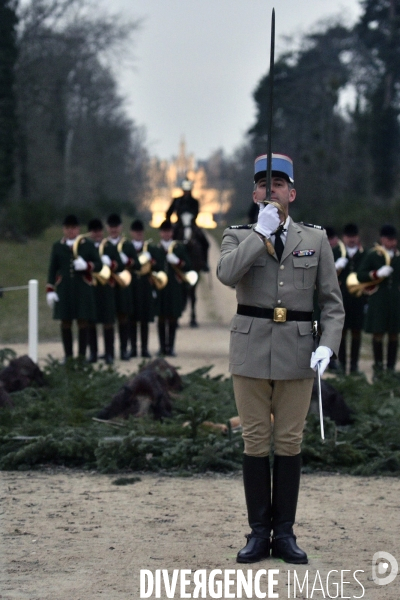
186, 230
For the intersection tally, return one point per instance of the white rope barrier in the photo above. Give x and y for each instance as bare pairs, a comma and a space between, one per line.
33, 314
11, 289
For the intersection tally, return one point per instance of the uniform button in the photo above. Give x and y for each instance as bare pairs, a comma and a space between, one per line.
281, 283
282, 267
279, 301
306, 264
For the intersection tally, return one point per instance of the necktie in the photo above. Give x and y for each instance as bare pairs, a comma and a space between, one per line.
278, 244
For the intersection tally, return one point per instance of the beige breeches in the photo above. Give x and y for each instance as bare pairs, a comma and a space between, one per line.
288, 401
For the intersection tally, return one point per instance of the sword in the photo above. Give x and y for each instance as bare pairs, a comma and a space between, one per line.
268, 200
321, 412
271, 97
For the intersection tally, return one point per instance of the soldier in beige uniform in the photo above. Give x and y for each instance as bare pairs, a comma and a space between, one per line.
271, 352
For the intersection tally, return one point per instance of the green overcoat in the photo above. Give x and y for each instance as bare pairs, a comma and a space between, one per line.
171, 299
123, 295
74, 288
105, 293
144, 292
353, 306
383, 312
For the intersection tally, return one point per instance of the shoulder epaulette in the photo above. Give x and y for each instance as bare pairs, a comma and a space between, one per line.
241, 226
311, 225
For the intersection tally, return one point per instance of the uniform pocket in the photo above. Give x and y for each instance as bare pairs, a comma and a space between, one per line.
305, 344
257, 272
240, 329
304, 271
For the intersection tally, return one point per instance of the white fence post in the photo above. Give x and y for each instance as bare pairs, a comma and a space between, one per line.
33, 318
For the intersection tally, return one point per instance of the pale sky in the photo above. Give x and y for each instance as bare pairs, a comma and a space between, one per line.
197, 62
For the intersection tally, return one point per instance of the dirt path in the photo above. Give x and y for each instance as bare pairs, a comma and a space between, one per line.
71, 535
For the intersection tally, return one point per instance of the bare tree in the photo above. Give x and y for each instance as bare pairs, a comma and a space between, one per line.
77, 148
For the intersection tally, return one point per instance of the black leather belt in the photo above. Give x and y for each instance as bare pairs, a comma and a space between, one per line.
279, 314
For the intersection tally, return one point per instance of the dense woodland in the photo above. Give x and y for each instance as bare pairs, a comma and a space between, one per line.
347, 161
64, 135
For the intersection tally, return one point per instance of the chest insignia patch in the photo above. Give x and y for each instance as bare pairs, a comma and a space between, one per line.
303, 252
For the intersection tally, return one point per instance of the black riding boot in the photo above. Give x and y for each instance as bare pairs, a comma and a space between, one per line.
392, 354
92, 341
133, 337
342, 354
123, 330
66, 338
285, 491
257, 488
377, 349
144, 339
354, 354
161, 337
108, 333
82, 341
172, 326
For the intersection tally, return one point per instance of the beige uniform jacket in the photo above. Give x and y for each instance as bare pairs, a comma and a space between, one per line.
260, 347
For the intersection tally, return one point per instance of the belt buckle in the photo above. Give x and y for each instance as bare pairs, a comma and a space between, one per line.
280, 314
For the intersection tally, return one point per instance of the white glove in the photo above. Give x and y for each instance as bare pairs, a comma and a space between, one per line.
106, 260
268, 220
384, 271
146, 256
173, 259
80, 264
322, 356
52, 298
124, 257
341, 263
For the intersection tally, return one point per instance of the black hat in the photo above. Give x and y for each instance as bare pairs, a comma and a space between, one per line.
330, 232
166, 225
350, 229
70, 221
388, 231
114, 220
137, 225
95, 225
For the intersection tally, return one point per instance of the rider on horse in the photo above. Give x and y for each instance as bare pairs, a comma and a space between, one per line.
186, 209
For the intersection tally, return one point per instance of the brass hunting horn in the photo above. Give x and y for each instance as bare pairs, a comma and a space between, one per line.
102, 275
158, 278
123, 278
190, 277
105, 273
357, 288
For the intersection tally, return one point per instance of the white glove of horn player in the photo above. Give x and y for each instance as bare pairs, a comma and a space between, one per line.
268, 220
106, 260
173, 259
384, 271
322, 356
341, 262
124, 258
80, 264
52, 298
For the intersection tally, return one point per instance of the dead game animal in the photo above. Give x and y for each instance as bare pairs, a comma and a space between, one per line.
21, 373
148, 391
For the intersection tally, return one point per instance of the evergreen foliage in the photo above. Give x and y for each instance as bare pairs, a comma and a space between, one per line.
54, 425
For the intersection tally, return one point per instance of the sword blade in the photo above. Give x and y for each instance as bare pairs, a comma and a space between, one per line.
270, 107
321, 412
